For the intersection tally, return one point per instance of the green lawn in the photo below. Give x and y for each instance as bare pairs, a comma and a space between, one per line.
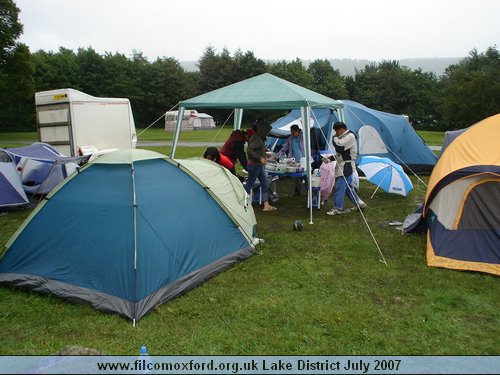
432, 138
19, 137
220, 134
320, 291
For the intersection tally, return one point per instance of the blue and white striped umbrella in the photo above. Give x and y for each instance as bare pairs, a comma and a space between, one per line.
386, 174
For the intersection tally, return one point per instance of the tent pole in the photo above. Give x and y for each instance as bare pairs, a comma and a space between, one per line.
238, 116
341, 114
178, 125
134, 209
305, 113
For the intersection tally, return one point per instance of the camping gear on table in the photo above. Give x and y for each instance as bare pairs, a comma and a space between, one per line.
271, 166
131, 230
462, 206
386, 174
283, 167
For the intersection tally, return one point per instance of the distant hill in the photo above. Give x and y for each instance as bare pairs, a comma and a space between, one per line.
347, 66
190, 66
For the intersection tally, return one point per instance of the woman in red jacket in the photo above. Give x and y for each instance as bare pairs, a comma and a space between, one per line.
211, 153
234, 147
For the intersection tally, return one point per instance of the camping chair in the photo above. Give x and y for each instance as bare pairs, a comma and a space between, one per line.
257, 190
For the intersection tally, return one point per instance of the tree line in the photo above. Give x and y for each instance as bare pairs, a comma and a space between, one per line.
466, 93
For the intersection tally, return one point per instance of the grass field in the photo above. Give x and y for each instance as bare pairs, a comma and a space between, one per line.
144, 135
323, 290
216, 135
432, 138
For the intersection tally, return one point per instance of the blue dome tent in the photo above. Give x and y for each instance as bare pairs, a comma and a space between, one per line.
379, 134
120, 234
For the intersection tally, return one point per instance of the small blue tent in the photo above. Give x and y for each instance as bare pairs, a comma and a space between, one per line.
379, 133
122, 234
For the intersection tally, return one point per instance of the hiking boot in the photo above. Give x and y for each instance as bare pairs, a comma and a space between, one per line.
335, 211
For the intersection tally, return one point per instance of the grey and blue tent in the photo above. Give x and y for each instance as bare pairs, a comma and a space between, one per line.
41, 167
378, 133
131, 230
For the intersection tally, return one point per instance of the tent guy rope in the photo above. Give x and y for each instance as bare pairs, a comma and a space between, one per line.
222, 127
357, 204
158, 119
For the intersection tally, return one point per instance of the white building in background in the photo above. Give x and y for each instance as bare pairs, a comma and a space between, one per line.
193, 120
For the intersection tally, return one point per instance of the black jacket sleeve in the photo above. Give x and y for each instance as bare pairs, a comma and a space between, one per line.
239, 148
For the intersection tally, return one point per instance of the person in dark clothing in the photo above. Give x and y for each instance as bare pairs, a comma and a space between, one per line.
234, 147
256, 161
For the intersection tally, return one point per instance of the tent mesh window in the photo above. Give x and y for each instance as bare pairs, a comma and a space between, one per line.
480, 209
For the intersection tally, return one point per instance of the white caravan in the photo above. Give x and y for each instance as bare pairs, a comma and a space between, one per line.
75, 123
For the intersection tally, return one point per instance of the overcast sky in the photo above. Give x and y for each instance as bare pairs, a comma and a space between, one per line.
271, 29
